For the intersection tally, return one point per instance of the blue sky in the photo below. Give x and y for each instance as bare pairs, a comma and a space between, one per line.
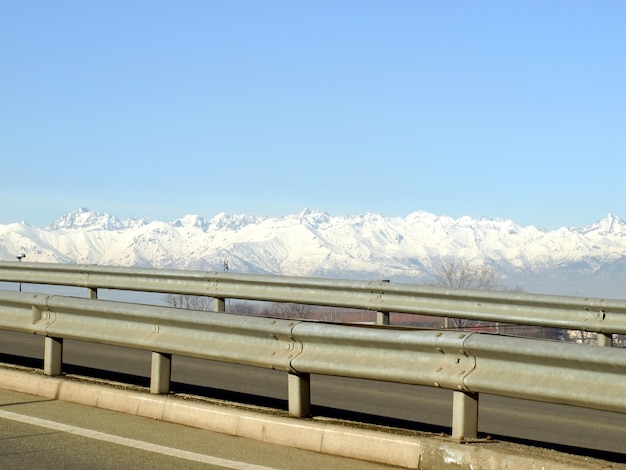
158, 109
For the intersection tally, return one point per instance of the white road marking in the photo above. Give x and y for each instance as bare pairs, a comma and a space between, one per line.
182, 454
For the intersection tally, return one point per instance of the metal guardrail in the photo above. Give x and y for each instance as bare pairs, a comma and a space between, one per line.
467, 363
602, 316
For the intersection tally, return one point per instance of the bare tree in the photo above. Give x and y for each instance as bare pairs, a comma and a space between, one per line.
244, 307
293, 310
191, 302
460, 274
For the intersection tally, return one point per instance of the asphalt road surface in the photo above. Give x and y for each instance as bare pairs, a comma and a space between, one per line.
569, 429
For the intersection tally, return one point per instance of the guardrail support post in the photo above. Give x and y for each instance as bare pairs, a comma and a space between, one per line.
382, 318
465, 415
92, 292
53, 356
299, 386
219, 304
160, 373
605, 340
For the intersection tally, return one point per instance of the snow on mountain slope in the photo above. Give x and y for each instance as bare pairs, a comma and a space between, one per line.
312, 243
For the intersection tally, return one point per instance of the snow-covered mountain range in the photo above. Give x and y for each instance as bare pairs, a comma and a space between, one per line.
575, 261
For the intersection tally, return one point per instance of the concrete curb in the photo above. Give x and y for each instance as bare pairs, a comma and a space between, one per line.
423, 453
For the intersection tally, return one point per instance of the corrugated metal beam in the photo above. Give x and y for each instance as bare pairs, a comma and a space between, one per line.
595, 315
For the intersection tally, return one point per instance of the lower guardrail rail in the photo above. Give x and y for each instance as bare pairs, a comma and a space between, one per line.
469, 363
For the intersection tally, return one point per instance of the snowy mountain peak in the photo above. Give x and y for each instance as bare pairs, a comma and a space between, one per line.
192, 221
223, 221
610, 225
85, 219
310, 217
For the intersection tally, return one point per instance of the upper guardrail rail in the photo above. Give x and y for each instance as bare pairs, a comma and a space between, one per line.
604, 316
